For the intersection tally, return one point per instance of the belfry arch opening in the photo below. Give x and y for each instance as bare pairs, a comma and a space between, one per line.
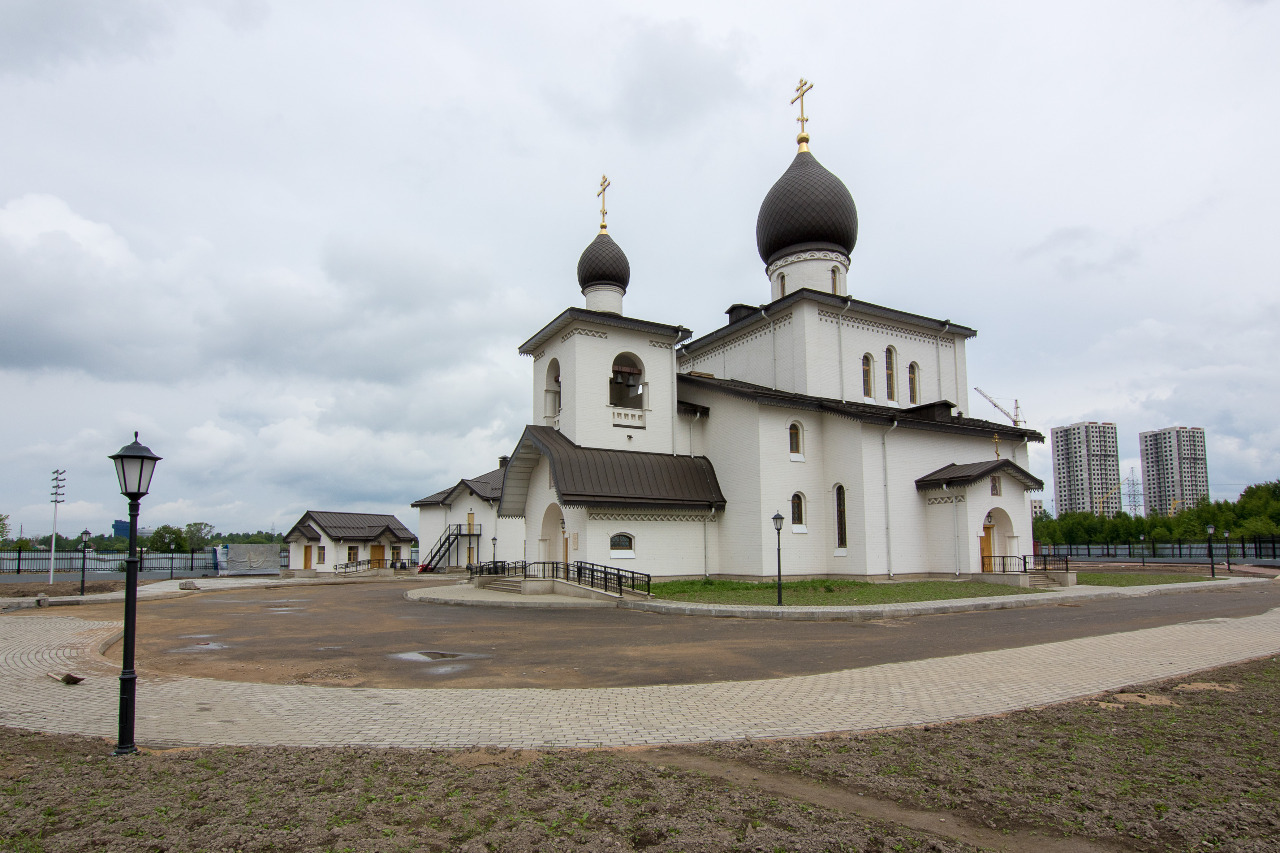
626, 382
551, 393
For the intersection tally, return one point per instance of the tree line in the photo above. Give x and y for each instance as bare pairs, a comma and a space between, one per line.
167, 539
1255, 513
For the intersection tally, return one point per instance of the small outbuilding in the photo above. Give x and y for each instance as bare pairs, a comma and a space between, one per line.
347, 541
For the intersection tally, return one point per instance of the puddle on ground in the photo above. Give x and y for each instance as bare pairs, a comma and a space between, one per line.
196, 636
328, 648
286, 610
201, 647
451, 662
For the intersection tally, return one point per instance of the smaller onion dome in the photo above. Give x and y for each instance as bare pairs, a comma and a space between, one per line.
808, 206
603, 262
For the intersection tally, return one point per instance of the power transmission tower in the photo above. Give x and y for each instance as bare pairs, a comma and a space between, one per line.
1133, 491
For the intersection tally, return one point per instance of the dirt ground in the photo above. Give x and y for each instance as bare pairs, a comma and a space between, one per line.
368, 635
1190, 764
30, 590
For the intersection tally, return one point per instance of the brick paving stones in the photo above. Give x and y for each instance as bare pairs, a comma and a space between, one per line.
176, 710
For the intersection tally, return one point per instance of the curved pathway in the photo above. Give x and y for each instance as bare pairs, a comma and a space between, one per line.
181, 710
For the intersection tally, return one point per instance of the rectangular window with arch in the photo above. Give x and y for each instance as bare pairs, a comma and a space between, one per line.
622, 546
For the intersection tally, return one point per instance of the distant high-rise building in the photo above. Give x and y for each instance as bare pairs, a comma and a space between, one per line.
1037, 507
1175, 472
1086, 468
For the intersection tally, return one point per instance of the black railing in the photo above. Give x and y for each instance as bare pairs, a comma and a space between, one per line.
1027, 563
354, 567
1257, 547
592, 575
450, 541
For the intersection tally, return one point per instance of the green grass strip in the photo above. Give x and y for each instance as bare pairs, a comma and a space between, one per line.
1132, 579
819, 592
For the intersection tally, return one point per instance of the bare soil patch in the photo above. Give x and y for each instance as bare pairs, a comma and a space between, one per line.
34, 588
1181, 769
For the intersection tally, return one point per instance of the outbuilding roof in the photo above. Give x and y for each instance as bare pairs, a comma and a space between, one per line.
592, 476
486, 487
953, 475
348, 526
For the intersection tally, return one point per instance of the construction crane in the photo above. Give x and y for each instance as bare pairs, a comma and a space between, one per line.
1016, 417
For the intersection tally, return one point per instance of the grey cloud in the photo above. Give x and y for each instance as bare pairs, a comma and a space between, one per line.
39, 35
1078, 252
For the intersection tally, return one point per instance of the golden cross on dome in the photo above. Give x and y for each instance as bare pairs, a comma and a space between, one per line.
604, 185
801, 91
995, 437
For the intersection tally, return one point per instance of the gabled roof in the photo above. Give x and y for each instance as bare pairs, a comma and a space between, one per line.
591, 476
348, 526
486, 487
953, 475
600, 318
929, 416
840, 303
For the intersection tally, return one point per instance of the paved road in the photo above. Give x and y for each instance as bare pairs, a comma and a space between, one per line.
368, 635
176, 710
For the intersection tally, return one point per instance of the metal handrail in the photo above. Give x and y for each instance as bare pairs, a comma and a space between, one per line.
1009, 564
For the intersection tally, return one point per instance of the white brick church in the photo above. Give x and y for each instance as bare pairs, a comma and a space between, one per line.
654, 451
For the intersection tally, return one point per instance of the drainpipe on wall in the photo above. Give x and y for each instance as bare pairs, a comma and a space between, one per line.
848, 301
938, 353
888, 538
706, 570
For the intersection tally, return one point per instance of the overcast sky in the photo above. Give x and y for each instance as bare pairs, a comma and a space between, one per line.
296, 244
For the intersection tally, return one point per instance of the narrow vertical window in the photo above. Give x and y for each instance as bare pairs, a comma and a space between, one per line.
842, 540
995, 486
782, 283
794, 432
353, 553
835, 279
913, 382
868, 386
890, 390
797, 509
320, 555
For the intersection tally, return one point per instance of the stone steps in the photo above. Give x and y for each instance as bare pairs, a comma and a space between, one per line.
505, 585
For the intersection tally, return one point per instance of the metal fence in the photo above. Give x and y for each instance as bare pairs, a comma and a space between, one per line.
1256, 547
593, 575
27, 560
1028, 563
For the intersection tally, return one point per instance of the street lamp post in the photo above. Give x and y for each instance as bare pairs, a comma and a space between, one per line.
1212, 571
1142, 546
134, 466
84, 549
777, 526
1226, 534
495, 552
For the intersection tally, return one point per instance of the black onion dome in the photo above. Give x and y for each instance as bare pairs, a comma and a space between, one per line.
808, 205
603, 262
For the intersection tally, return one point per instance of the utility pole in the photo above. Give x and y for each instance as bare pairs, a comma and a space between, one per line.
59, 483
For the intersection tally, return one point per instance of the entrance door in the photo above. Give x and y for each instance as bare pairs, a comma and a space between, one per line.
306, 558
566, 550
377, 554
471, 522
988, 533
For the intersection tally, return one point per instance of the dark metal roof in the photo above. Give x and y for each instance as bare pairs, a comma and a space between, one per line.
930, 416
600, 318
354, 526
592, 476
486, 487
603, 262
807, 205
952, 475
838, 303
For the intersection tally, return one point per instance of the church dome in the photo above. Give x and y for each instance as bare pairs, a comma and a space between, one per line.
808, 206
603, 262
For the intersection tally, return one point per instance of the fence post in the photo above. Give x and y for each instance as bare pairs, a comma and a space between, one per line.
19, 559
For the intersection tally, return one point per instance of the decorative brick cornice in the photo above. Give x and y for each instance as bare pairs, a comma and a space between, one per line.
815, 255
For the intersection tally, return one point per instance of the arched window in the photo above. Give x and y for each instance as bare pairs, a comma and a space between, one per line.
890, 385
782, 283
913, 383
551, 393
835, 279
795, 438
842, 539
626, 382
868, 380
622, 546
797, 509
